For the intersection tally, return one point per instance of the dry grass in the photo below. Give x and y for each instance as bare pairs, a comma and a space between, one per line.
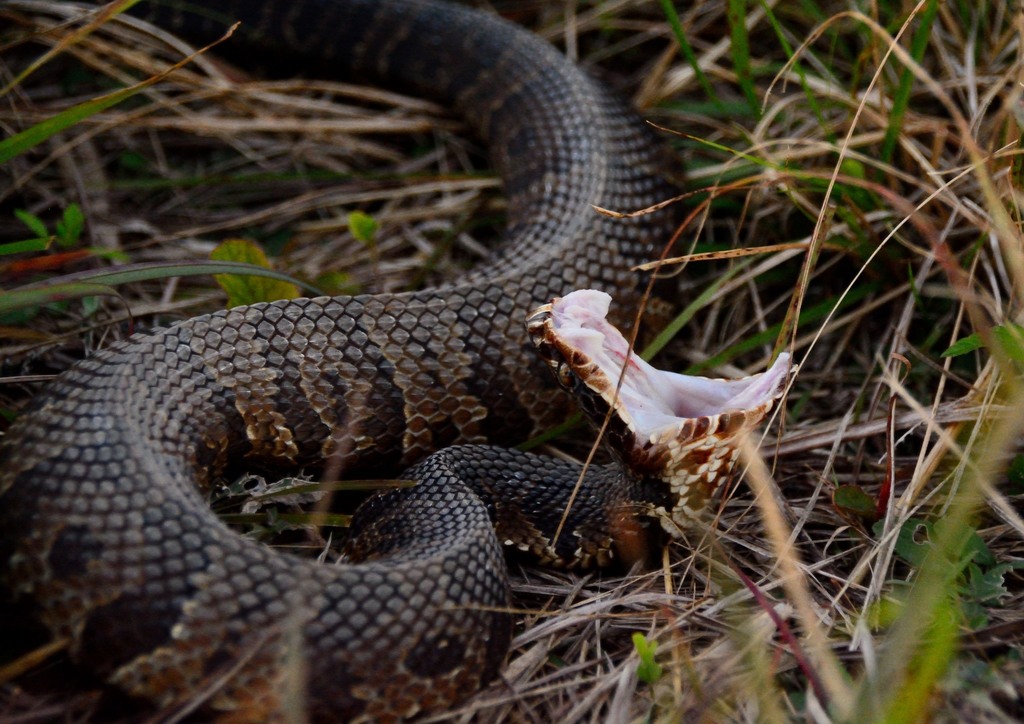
784, 605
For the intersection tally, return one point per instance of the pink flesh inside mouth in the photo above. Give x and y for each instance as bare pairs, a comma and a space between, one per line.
655, 400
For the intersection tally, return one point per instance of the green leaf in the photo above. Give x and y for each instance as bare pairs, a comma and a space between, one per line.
964, 346
1009, 337
917, 537
884, 612
852, 500
975, 615
972, 547
20, 247
246, 289
648, 671
364, 227
33, 222
337, 282
69, 228
90, 305
907, 546
986, 585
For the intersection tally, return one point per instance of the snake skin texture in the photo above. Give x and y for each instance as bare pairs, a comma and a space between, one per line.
103, 521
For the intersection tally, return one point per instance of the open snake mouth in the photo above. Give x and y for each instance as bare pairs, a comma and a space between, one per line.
678, 428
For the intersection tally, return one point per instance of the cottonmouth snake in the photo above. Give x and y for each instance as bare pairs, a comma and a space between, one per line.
104, 527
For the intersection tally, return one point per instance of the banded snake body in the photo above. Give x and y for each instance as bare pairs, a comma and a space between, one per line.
103, 522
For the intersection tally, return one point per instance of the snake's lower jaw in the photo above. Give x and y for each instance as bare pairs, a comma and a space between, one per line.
681, 430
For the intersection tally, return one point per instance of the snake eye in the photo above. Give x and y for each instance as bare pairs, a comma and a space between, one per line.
565, 375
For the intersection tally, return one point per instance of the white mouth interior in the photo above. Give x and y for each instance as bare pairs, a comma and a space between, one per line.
655, 399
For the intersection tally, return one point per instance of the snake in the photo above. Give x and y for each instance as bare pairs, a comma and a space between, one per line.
105, 526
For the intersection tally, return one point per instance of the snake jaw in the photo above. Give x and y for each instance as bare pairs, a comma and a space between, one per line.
678, 429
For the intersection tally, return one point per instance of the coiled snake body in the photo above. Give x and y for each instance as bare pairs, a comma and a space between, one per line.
102, 520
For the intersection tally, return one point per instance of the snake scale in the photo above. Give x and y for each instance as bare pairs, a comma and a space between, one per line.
103, 520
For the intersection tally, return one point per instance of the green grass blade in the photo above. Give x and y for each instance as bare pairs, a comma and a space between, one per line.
102, 15
319, 520
21, 142
768, 336
147, 271
812, 97
19, 299
737, 15
683, 318
24, 141
687, 50
901, 98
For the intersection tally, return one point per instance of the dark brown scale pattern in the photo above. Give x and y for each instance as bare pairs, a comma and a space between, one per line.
103, 522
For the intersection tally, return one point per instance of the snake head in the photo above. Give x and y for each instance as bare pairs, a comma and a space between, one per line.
680, 430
